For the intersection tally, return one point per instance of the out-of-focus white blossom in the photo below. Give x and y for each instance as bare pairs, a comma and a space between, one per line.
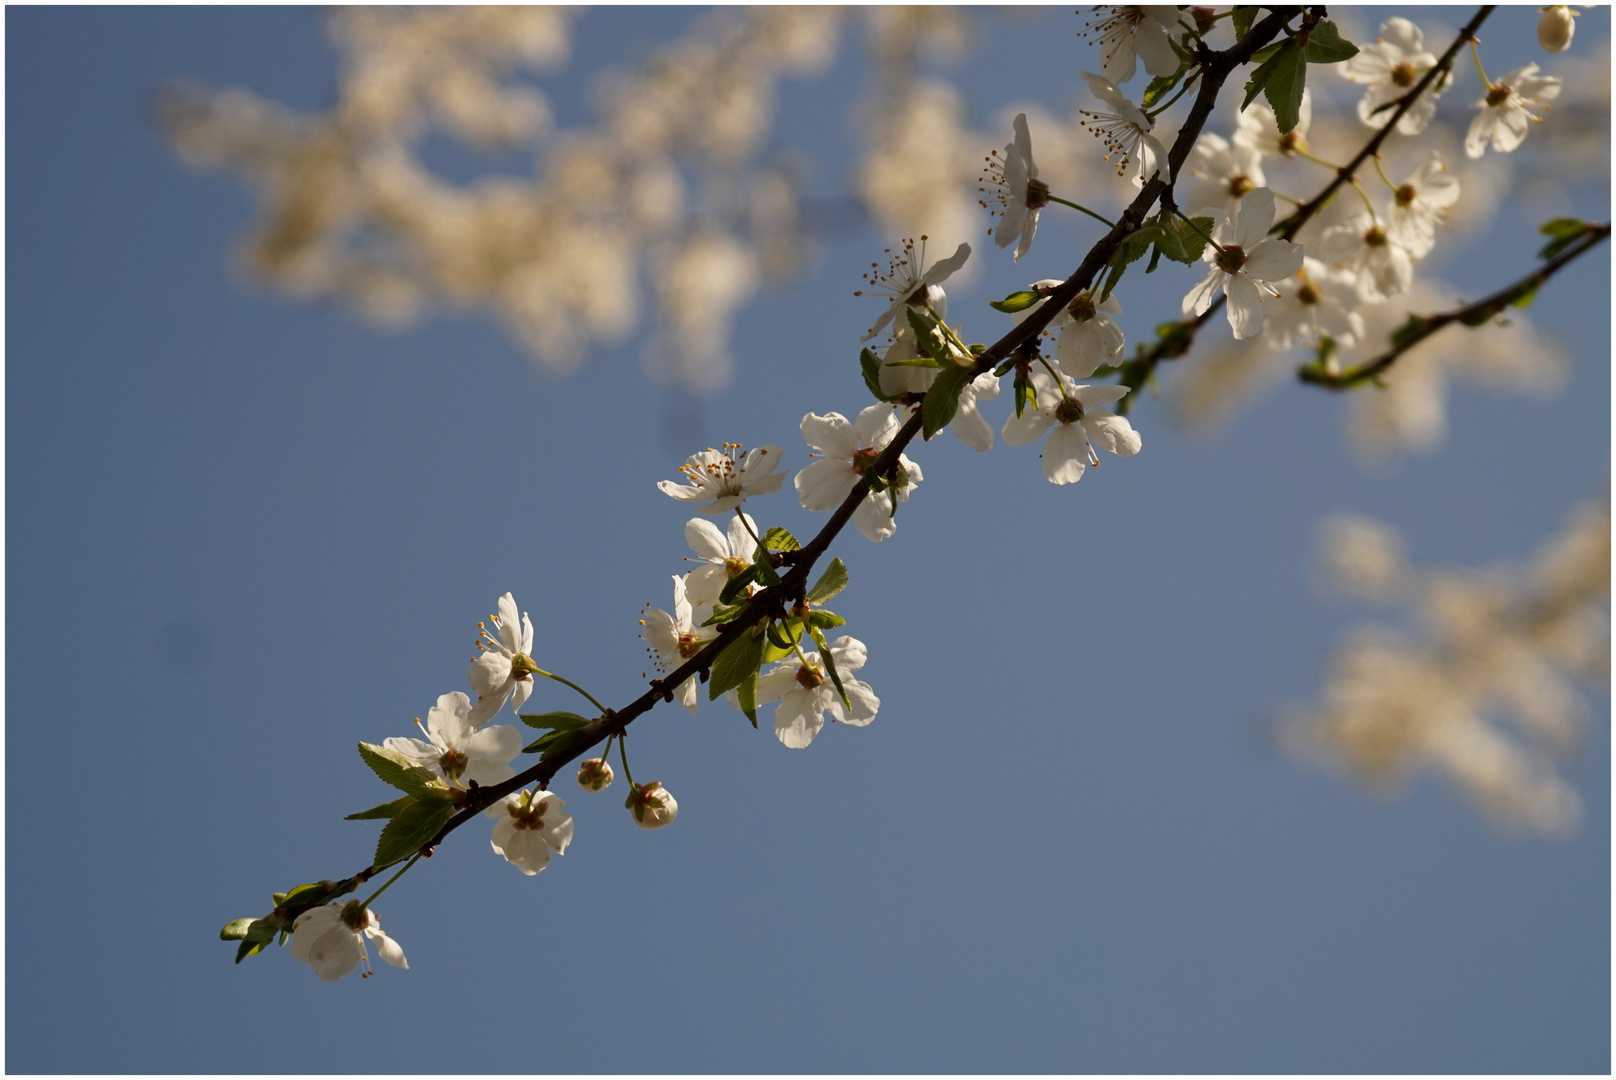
1504, 115
1381, 266
1555, 28
1320, 300
1227, 173
1420, 204
1129, 33
1258, 130
1389, 67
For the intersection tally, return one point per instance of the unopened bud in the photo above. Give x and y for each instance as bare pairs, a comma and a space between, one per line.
651, 805
1555, 28
595, 775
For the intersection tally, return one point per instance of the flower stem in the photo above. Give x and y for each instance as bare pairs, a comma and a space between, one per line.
1382, 171
1059, 385
1476, 53
1084, 209
413, 859
1364, 195
575, 686
1317, 160
622, 755
747, 525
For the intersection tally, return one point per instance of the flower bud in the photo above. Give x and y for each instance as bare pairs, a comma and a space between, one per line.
651, 805
1555, 28
595, 775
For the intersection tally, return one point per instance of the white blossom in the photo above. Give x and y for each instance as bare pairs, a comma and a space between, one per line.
1087, 336
675, 638
331, 939
1505, 117
1389, 68
531, 825
723, 479
459, 751
723, 555
1556, 27
908, 281
1248, 262
1226, 171
805, 693
1380, 264
1128, 32
1125, 130
595, 774
505, 668
1257, 130
845, 450
1020, 195
1419, 204
1078, 417
1321, 300
652, 805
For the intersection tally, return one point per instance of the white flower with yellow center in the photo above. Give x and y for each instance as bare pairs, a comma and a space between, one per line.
1258, 130
723, 556
1382, 266
1388, 69
331, 939
724, 478
1244, 262
806, 693
1420, 204
1129, 33
1020, 195
459, 751
673, 639
531, 825
1226, 171
910, 283
505, 669
845, 450
1088, 337
1125, 130
1505, 118
1078, 417
1318, 300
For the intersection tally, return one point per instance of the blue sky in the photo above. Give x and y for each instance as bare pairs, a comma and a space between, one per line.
244, 534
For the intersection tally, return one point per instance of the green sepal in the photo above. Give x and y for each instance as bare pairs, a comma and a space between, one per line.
942, 399
736, 586
385, 810
248, 948
871, 365
1024, 393
831, 582
830, 666
746, 694
820, 619
1016, 301
562, 721
1242, 18
1325, 45
739, 659
778, 539
397, 770
411, 830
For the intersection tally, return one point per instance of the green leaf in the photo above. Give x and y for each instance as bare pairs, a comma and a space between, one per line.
1411, 329
723, 613
1285, 87
236, 929
1286, 55
778, 539
1479, 317
1023, 394
1563, 227
385, 810
1325, 45
1159, 86
871, 364
1004, 368
736, 586
560, 744
1243, 17
248, 948
820, 619
305, 895
1266, 52
411, 830
1016, 301
763, 567
830, 666
739, 659
747, 694
942, 400
396, 769
929, 340
831, 582
566, 721
1522, 297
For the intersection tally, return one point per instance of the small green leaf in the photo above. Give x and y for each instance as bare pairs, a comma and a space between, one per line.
763, 567
1522, 297
820, 619
1563, 227
871, 365
942, 400
929, 340
831, 582
385, 810
1285, 87
565, 721
739, 659
747, 695
778, 539
1016, 301
1242, 18
236, 929
723, 613
1325, 45
1159, 86
1004, 369
830, 666
305, 895
1024, 393
411, 830
248, 948
1285, 55
396, 769
1410, 331
1266, 52
736, 586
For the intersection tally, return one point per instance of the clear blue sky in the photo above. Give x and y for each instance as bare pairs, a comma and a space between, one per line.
245, 533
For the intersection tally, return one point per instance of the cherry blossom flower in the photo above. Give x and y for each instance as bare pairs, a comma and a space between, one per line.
459, 751
1088, 336
723, 556
967, 425
1504, 117
845, 450
1021, 194
1125, 130
331, 939
1321, 300
1389, 68
1257, 130
531, 825
1227, 172
1556, 27
595, 774
675, 638
805, 693
908, 281
1382, 266
726, 478
1077, 415
1419, 204
1247, 262
504, 670
1128, 32
652, 805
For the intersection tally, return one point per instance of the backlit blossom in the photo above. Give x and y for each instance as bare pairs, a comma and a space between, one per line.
1128, 32
1258, 130
1419, 204
652, 805
806, 693
723, 556
505, 668
1505, 117
1556, 27
723, 479
1125, 130
331, 939
675, 638
531, 825
1380, 263
459, 751
898, 378
1227, 171
1021, 195
1078, 417
909, 282
1248, 262
1087, 336
845, 450
1388, 69
595, 774
1318, 300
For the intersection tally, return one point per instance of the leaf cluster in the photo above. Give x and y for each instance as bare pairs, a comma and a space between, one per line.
1281, 74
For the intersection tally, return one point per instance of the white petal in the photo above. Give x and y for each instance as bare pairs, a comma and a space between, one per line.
1111, 432
705, 540
824, 484
1256, 216
1066, 454
1245, 307
1198, 299
797, 719
830, 435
